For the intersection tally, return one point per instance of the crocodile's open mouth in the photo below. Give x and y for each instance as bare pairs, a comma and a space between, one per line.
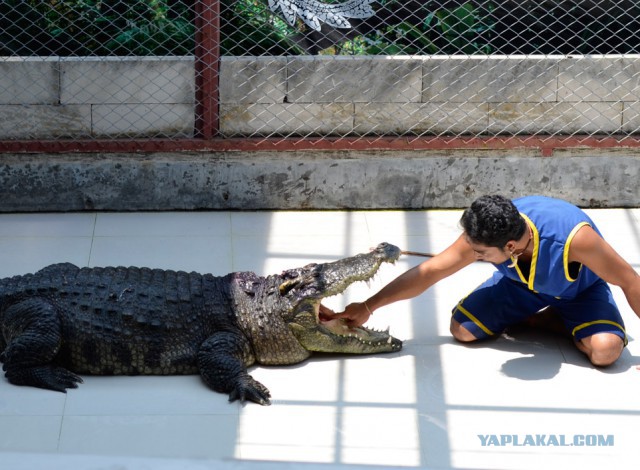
339, 327
318, 331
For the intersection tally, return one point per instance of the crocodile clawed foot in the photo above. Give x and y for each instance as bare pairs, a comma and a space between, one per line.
249, 389
58, 379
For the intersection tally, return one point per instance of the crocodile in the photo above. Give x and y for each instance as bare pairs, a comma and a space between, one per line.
64, 321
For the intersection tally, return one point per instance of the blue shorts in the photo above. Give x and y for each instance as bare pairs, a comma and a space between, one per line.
501, 302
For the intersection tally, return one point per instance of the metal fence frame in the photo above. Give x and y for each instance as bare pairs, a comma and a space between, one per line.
207, 63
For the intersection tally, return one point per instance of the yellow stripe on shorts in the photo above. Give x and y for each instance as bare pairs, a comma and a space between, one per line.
474, 319
607, 322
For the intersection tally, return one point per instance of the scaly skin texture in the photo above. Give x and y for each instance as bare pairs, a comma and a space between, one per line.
64, 320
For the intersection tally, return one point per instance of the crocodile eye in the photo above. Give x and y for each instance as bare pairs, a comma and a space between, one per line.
286, 286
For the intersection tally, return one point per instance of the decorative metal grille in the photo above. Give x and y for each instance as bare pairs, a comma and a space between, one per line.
176, 69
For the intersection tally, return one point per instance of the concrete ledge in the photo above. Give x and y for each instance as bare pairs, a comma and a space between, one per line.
326, 95
29, 80
430, 95
352, 79
310, 180
45, 121
139, 120
482, 79
609, 78
81, 97
253, 80
101, 80
264, 119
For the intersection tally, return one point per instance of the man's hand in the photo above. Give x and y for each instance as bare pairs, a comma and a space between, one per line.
326, 314
356, 314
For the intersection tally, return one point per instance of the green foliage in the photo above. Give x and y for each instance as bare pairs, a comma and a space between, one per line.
136, 27
20, 33
461, 28
100, 27
440, 31
248, 27
155, 30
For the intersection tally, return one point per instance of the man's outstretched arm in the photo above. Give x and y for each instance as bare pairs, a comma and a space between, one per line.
413, 282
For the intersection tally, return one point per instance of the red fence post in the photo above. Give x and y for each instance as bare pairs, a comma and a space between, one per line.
207, 60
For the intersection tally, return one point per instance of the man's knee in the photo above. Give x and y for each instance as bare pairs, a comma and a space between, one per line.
460, 333
602, 349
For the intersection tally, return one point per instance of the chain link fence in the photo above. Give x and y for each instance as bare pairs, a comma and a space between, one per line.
182, 69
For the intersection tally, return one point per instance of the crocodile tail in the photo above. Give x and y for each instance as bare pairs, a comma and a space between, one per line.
314, 12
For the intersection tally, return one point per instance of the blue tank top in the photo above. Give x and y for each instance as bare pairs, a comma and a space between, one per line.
554, 223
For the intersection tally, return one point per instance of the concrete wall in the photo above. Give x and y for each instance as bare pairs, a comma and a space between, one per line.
97, 98
50, 98
429, 95
311, 180
44, 98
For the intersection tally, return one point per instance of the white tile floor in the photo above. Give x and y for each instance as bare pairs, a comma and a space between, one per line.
430, 405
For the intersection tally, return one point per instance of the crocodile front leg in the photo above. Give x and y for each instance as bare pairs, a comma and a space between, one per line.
223, 360
31, 329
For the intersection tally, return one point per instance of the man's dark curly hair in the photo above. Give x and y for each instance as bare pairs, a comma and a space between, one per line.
493, 220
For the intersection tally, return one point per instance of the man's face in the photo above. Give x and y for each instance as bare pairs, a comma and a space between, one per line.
490, 254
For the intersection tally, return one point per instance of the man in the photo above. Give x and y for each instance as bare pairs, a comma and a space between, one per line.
548, 253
